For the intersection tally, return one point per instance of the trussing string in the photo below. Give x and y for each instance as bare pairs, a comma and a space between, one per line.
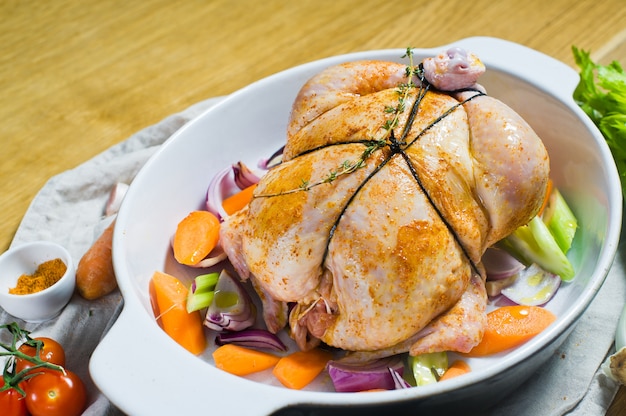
396, 147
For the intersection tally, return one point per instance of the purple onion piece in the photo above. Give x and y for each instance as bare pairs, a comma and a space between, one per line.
218, 187
244, 177
232, 308
255, 338
353, 377
499, 264
398, 380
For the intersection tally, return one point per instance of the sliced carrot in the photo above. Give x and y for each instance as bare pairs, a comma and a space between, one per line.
95, 276
301, 367
196, 235
168, 296
242, 361
239, 200
457, 368
546, 198
510, 326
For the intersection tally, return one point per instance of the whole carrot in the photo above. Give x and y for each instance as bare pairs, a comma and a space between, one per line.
95, 276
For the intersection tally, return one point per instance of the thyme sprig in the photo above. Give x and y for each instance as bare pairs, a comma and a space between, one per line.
375, 143
346, 167
403, 90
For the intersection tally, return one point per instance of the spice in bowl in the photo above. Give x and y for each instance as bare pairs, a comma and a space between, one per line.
47, 274
37, 280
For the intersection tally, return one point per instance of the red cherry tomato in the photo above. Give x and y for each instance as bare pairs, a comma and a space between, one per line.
12, 403
51, 352
56, 394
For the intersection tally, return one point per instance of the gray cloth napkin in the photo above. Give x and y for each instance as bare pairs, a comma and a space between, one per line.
69, 209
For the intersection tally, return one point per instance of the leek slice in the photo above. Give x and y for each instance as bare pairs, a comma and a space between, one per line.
428, 368
534, 243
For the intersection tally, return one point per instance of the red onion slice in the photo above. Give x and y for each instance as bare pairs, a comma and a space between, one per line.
225, 183
398, 380
255, 338
232, 308
353, 377
244, 177
499, 264
220, 185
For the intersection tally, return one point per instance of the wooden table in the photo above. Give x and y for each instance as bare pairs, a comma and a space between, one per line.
80, 76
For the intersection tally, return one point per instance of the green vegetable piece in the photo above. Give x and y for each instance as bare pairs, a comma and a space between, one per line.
533, 243
226, 299
201, 292
197, 301
428, 368
560, 221
205, 282
601, 94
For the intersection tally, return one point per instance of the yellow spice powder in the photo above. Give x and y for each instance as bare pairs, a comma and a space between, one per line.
47, 274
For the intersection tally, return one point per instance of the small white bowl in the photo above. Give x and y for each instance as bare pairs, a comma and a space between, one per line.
24, 259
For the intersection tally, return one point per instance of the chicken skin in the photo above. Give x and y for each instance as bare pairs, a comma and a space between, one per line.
368, 236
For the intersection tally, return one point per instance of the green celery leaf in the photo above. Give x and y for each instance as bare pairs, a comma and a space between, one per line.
601, 94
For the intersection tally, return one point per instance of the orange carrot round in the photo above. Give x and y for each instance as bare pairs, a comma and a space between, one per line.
457, 368
168, 296
242, 361
510, 326
239, 200
95, 276
300, 368
196, 235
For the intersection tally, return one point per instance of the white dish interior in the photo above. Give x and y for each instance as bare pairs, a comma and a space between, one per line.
249, 125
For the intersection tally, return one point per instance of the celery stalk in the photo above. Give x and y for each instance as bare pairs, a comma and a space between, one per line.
428, 368
201, 291
199, 300
533, 243
205, 282
560, 221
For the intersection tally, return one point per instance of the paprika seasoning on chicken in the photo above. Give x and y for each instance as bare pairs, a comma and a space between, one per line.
47, 274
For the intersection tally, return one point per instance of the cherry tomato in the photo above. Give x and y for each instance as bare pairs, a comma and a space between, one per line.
51, 352
56, 394
12, 403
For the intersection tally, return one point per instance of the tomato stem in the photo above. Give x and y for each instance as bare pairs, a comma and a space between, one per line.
12, 379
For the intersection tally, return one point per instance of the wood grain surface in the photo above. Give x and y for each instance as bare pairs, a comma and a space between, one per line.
80, 76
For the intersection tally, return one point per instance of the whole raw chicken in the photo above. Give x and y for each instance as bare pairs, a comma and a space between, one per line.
394, 181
